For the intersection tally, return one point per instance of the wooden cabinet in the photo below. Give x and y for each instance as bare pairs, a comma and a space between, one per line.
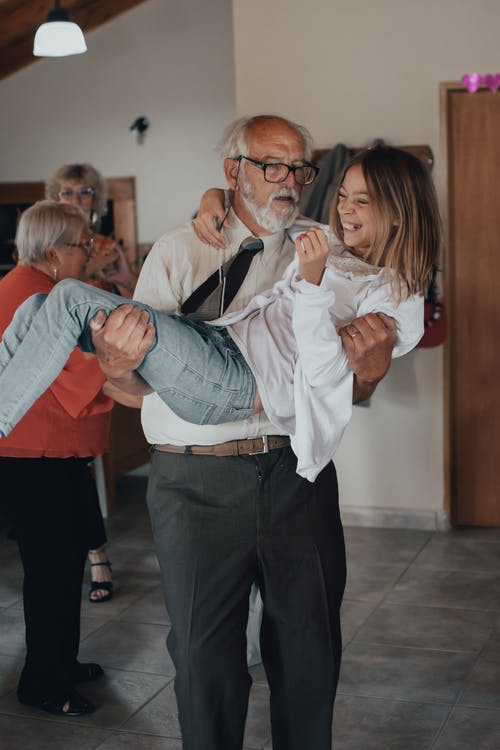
120, 219
471, 130
128, 448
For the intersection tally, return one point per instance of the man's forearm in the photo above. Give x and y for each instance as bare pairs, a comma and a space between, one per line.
368, 342
362, 389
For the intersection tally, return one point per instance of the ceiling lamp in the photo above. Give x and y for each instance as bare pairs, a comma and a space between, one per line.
58, 36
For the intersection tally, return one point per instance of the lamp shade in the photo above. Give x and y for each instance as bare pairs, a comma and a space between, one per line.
58, 36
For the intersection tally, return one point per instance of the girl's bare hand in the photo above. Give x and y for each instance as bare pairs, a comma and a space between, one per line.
312, 249
210, 215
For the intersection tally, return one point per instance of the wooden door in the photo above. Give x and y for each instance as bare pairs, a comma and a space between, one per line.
472, 272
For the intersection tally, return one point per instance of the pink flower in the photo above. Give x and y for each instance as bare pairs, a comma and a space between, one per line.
471, 81
492, 81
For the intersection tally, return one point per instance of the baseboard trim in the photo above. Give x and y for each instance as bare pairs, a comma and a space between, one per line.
395, 518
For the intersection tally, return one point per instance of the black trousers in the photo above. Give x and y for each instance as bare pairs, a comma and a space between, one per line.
52, 508
219, 524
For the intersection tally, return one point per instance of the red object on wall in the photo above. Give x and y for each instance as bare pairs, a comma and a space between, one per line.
435, 325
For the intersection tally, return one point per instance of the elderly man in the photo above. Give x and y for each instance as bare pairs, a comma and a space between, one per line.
226, 504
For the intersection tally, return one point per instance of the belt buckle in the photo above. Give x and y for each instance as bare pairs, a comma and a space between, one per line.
265, 446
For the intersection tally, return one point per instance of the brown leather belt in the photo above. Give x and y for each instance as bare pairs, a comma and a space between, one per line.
248, 447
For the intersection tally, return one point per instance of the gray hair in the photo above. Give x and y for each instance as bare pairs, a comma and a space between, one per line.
234, 141
47, 224
86, 174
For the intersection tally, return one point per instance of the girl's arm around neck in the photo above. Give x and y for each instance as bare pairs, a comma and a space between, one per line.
122, 397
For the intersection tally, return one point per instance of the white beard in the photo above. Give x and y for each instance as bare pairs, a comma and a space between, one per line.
265, 216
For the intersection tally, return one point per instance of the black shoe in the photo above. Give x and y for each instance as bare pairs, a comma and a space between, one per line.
87, 672
77, 704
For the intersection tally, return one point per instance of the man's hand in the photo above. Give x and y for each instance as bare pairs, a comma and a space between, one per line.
121, 342
368, 344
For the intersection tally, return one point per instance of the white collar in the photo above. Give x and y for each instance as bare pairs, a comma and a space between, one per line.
238, 231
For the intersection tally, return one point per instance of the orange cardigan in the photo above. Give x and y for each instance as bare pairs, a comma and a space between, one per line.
72, 417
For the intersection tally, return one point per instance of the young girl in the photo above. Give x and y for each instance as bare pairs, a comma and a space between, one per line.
283, 350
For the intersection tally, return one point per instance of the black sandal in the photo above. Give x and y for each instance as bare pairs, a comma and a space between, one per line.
101, 585
78, 705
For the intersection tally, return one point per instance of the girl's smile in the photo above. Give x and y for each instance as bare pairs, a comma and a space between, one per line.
356, 212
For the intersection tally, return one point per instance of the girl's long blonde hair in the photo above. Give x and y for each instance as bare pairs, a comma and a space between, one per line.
403, 197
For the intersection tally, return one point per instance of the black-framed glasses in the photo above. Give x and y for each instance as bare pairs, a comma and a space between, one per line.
304, 174
85, 246
83, 192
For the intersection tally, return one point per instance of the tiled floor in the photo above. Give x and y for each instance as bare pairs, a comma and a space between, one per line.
421, 667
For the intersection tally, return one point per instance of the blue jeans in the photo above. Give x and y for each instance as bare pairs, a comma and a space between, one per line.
195, 368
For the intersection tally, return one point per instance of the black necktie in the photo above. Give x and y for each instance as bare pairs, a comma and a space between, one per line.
217, 292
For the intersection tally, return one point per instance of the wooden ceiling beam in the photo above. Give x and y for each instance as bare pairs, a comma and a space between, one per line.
20, 21
16, 55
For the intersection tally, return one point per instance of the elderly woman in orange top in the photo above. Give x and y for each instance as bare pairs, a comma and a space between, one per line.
48, 496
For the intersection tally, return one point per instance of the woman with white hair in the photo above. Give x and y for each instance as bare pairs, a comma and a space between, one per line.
48, 497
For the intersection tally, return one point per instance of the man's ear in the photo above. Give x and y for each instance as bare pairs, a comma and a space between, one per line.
231, 171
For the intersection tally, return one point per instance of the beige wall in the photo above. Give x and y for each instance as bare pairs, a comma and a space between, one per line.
172, 62
354, 71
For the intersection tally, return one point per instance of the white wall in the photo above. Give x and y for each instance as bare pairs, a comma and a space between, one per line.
171, 61
354, 71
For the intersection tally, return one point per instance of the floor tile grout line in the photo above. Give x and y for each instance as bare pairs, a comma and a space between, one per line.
395, 699
456, 703
460, 693
151, 698
382, 601
441, 729
416, 648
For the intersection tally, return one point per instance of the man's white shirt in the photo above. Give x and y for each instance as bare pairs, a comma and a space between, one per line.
176, 265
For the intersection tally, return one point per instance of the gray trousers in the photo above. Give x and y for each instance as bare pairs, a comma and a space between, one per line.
219, 525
